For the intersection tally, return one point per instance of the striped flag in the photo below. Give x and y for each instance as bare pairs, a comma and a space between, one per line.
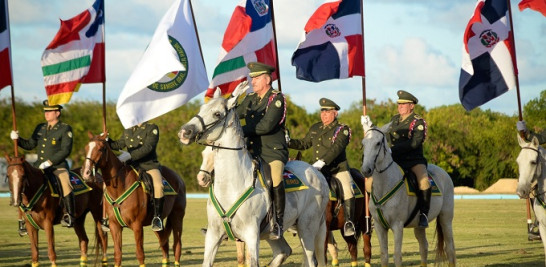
488, 65
76, 55
170, 72
536, 5
331, 47
6, 77
248, 38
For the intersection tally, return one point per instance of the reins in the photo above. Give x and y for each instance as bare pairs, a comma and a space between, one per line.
209, 127
384, 151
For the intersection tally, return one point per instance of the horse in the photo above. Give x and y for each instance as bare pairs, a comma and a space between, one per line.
395, 209
236, 185
31, 193
128, 203
532, 168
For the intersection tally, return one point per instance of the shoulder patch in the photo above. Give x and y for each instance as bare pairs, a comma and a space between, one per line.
154, 131
69, 134
278, 103
420, 127
346, 132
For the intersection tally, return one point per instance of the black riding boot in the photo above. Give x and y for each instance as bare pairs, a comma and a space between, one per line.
104, 224
278, 202
68, 218
349, 227
22, 228
424, 207
157, 223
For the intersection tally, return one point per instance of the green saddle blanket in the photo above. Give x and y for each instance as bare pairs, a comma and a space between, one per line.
78, 185
291, 182
356, 190
434, 188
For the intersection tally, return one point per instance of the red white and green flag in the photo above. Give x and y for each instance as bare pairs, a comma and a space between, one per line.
248, 38
76, 55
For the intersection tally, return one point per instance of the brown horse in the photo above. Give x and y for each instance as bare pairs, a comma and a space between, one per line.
32, 194
129, 204
335, 219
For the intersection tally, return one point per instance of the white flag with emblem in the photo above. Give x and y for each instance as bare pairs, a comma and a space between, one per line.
169, 74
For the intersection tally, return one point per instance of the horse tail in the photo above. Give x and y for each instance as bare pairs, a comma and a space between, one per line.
440, 245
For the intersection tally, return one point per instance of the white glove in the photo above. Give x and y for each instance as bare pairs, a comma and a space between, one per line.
14, 135
365, 121
124, 156
521, 125
44, 165
241, 88
102, 134
319, 164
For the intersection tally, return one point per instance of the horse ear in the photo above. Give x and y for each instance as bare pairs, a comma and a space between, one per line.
521, 141
217, 93
90, 135
535, 141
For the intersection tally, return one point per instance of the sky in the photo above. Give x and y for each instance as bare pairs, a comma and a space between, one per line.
410, 45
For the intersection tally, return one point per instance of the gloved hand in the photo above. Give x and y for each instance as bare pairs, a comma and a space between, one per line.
124, 156
521, 125
242, 87
44, 165
287, 135
319, 164
14, 135
102, 134
365, 121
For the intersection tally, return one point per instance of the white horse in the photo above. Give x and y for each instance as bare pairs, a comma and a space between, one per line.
532, 168
227, 210
391, 207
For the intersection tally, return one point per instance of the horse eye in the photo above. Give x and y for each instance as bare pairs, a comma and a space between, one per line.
217, 114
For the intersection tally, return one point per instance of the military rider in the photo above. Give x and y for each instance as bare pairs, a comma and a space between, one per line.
141, 142
262, 114
53, 142
329, 139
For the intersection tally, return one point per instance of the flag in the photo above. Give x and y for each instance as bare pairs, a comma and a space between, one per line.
331, 47
488, 65
76, 55
5, 50
536, 5
248, 38
170, 72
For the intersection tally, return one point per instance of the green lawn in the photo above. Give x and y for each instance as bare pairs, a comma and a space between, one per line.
487, 233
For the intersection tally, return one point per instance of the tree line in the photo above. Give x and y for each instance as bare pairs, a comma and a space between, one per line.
476, 148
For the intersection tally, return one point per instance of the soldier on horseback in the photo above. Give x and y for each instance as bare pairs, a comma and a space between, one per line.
141, 143
53, 142
329, 138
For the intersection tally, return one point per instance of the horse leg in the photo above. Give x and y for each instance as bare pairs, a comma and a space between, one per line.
79, 228
398, 234
116, 231
383, 238
331, 246
240, 253
320, 239
138, 232
212, 242
281, 251
50, 235
33, 236
542, 230
102, 237
163, 237
367, 249
352, 243
177, 226
420, 235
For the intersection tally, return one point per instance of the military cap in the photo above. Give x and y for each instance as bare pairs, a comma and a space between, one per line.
47, 107
328, 104
257, 69
405, 97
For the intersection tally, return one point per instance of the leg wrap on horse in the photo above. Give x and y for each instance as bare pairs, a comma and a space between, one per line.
279, 203
22, 228
349, 227
157, 223
424, 207
68, 218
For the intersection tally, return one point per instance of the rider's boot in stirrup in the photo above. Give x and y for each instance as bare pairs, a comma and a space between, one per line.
279, 203
157, 223
68, 217
349, 227
424, 207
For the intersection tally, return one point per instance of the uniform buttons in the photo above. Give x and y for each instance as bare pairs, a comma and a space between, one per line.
42, 152
43, 145
316, 158
252, 116
316, 151
41, 158
45, 139
131, 139
251, 142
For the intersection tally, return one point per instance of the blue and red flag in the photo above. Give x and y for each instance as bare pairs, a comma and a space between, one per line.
332, 44
488, 65
5, 50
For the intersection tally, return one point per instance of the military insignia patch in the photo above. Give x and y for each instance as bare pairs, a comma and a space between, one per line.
154, 131
420, 127
346, 132
278, 103
69, 134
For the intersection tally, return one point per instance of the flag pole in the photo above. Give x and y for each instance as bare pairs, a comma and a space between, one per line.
520, 113
196, 33
12, 85
276, 47
104, 71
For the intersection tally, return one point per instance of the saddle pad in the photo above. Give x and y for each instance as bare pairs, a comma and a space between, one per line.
292, 182
356, 191
168, 190
435, 190
78, 185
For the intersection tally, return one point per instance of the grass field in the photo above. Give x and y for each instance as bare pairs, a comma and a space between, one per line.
487, 233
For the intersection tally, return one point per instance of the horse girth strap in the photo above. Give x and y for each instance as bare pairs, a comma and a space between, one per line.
27, 208
116, 203
383, 200
226, 216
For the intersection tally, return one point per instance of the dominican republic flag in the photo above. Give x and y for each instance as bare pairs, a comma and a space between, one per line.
536, 5
5, 50
170, 72
488, 65
248, 38
331, 47
76, 55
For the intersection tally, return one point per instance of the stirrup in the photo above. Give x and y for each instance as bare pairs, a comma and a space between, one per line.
423, 221
157, 224
349, 229
276, 232
104, 225
22, 229
67, 220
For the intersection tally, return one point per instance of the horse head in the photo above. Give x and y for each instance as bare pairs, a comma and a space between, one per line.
97, 153
204, 176
375, 148
530, 163
211, 120
16, 178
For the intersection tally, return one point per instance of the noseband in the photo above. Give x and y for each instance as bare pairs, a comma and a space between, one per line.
209, 127
378, 151
538, 169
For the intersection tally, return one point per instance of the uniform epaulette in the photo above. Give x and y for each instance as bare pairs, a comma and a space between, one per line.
253, 93
275, 91
418, 117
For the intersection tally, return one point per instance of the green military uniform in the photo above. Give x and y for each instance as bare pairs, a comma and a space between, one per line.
541, 136
406, 144
263, 125
141, 142
328, 143
54, 144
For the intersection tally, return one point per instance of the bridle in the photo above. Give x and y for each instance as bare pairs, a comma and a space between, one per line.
94, 163
538, 167
378, 151
208, 128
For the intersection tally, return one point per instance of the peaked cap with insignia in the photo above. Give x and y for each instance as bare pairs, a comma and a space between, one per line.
257, 69
405, 97
47, 107
328, 104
